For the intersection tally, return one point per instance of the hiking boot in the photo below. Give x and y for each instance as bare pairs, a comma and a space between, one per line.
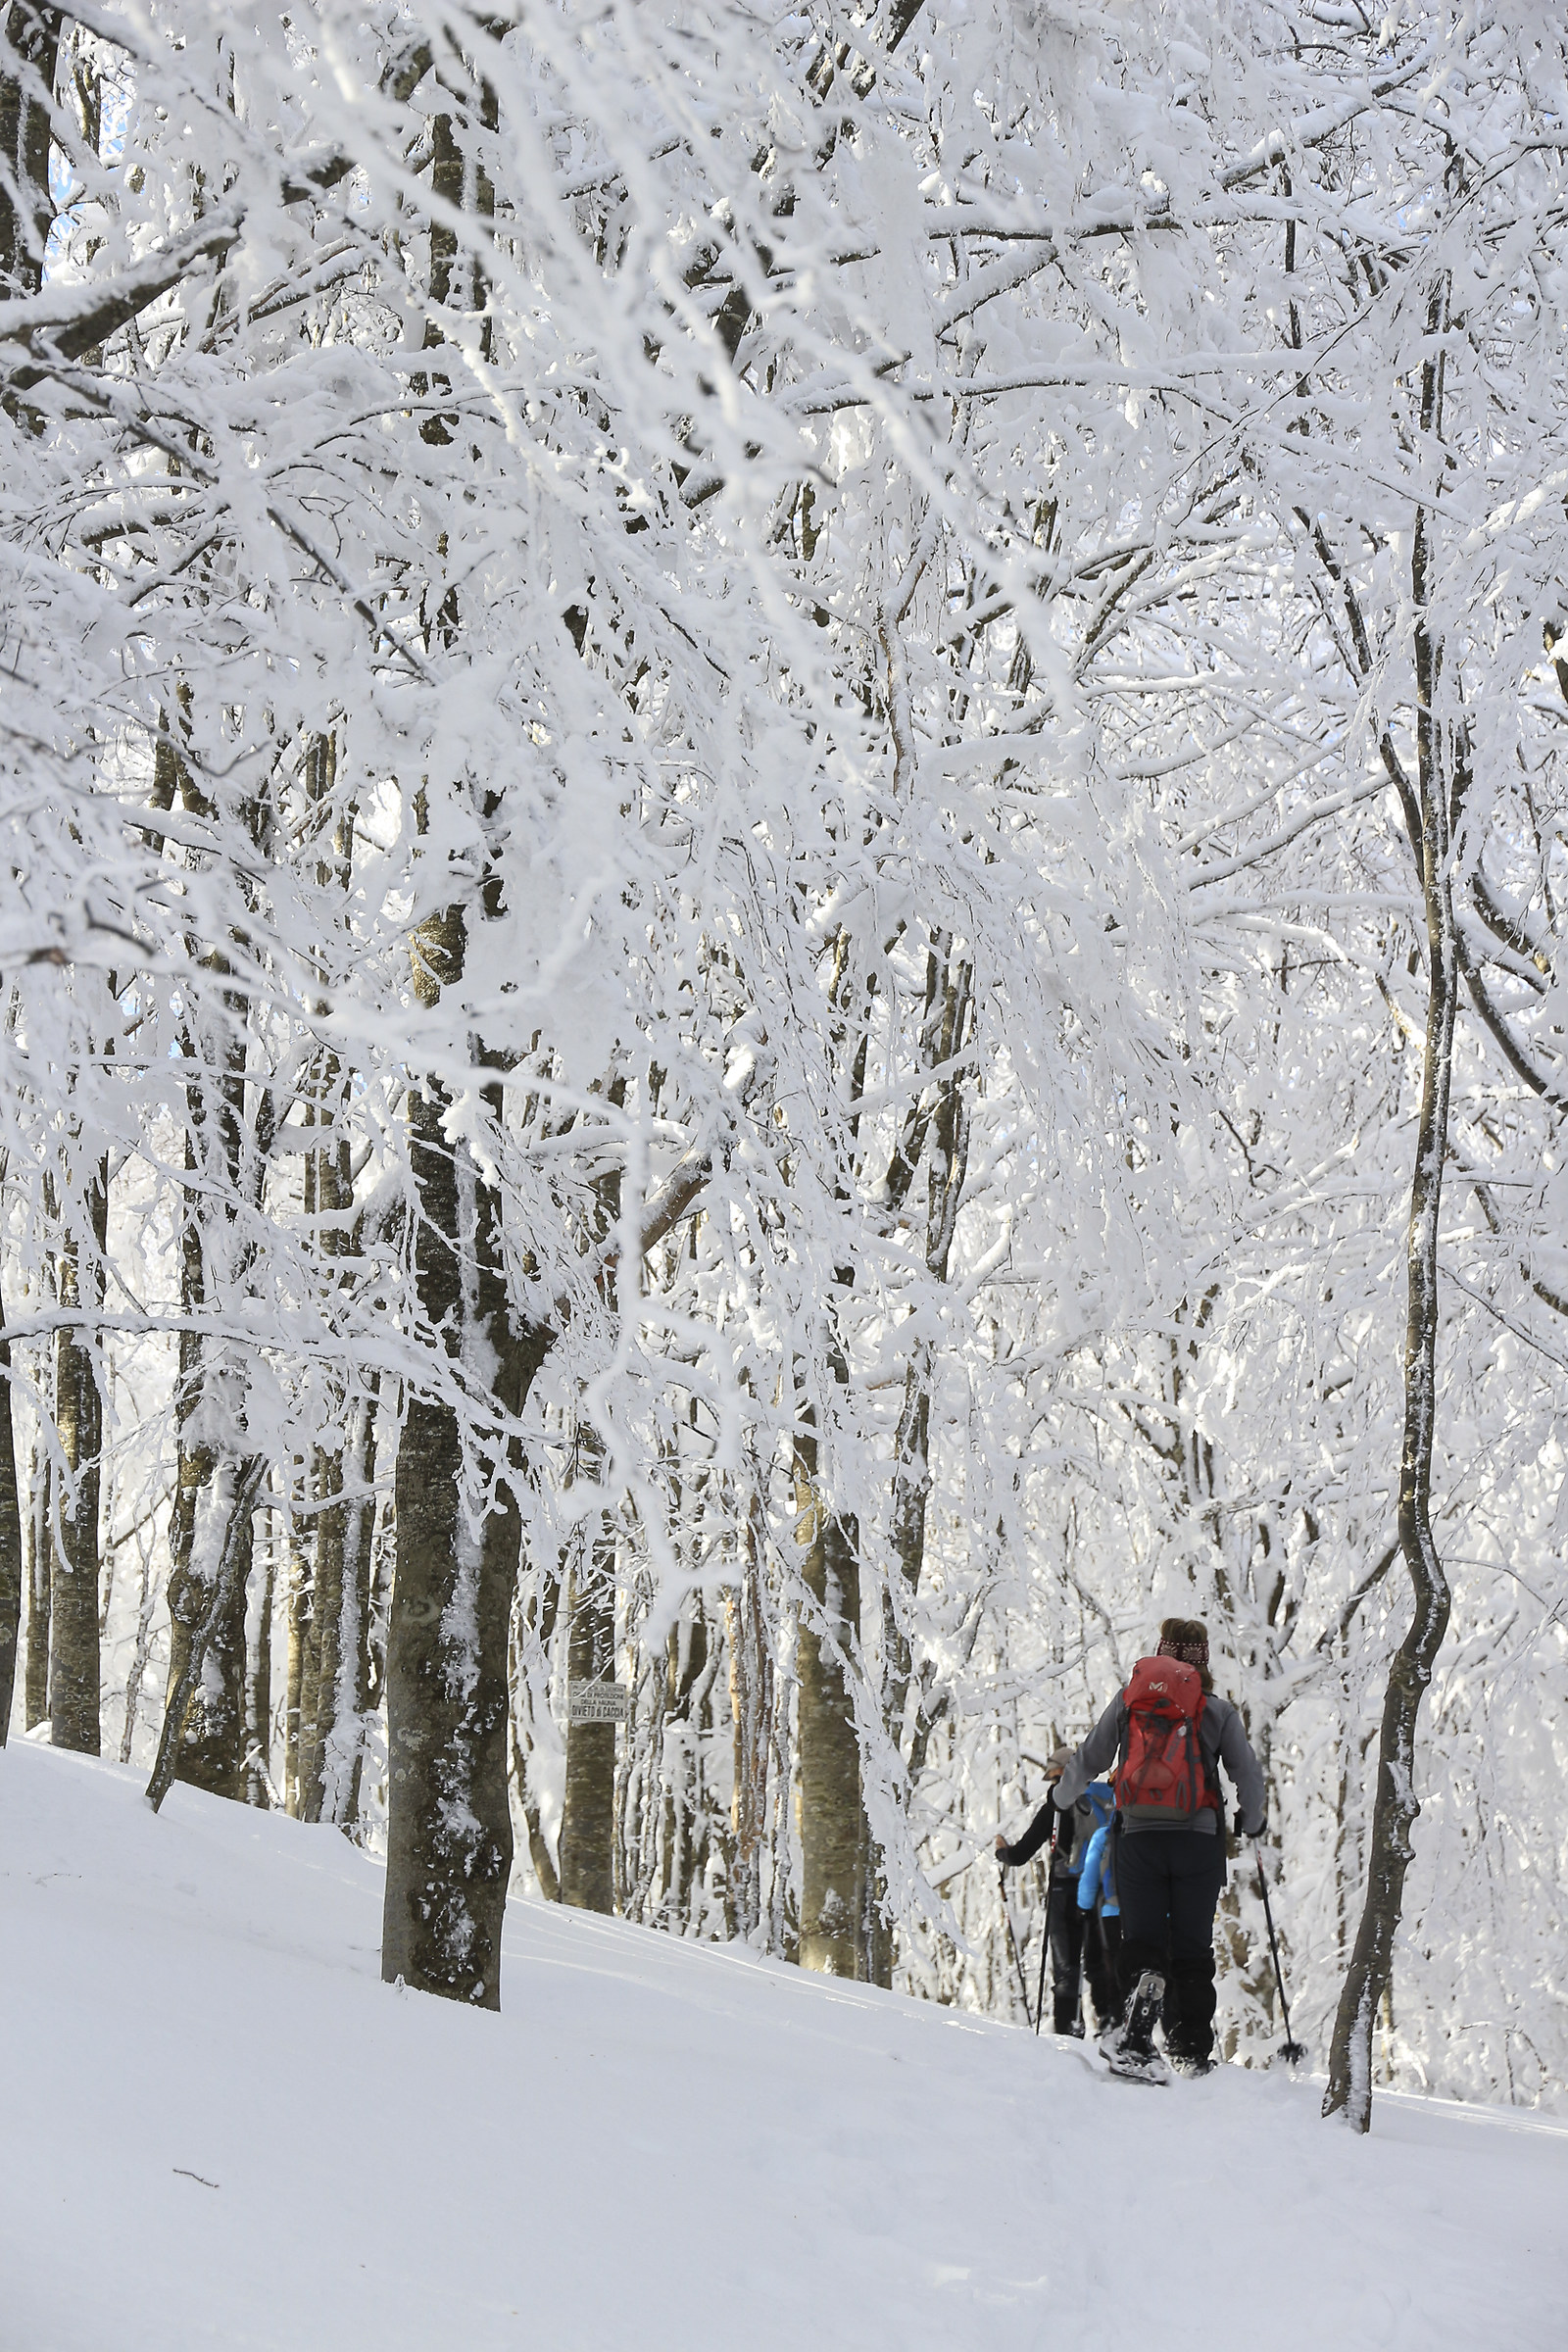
1137, 2066
1138, 2033
1190, 2067
1070, 2025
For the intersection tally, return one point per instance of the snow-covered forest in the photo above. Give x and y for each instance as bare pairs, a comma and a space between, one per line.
784, 839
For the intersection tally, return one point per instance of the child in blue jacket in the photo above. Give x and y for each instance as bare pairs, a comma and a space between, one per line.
1096, 1900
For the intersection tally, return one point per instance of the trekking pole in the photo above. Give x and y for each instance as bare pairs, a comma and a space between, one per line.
1293, 2053
1045, 1932
1018, 1959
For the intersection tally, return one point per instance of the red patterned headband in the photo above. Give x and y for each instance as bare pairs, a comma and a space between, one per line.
1190, 1653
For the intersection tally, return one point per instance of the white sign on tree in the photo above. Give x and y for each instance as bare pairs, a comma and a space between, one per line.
598, 1703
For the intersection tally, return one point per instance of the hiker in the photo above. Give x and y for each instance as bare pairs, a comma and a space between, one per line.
1169, 1845
1100, 1913
1066, 1925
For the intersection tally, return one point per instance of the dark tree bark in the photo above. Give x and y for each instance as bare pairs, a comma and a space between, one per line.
210, 1740
29, 58
449, 1827
588, 1808
299, 1638
948, 1027
750, 1693
534, 1631
12, 1552
40, 1548
224, 1539
684, 1840
346, 1664
259, 1697
1442, 776
588, 1812
841, 1932
225, 1158
74, 1671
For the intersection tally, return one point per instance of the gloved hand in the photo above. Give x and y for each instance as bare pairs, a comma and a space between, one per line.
1003, 1853
1240, 1831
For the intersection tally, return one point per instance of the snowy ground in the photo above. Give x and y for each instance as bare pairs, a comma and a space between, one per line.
221, 2130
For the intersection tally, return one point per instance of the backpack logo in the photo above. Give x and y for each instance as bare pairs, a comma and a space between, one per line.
1163, 1780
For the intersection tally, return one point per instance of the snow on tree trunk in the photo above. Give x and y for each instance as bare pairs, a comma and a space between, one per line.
1442, 779
74, 1671
841, 1935
587, 1871
458, 1534
12, 1549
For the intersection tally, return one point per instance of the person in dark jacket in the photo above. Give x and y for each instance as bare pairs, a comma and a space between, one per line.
1168, 1879
1067, 1925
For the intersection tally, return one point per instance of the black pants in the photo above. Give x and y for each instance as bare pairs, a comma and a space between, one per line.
1081, 1945
1065, 1926
1102, 1966
1168, 1883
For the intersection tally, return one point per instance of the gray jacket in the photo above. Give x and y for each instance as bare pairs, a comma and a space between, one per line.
1221, 1739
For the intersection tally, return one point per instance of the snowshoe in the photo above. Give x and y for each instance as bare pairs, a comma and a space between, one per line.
1128, 2050
1137, 2066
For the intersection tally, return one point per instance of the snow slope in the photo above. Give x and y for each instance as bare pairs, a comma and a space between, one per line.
221, 2130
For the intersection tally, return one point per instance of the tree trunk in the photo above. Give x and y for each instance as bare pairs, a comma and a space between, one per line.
74, 1673
210, 1752
318, 1660
221, 1552
531, 1654
226, 1157
29, 46
31, 55
344, 1689
40, 1548
12, 1552
1368, 1978
750, 1693
299, 1635
259, 1694
841, 1932
686, 1658
449, 1826
588, 1811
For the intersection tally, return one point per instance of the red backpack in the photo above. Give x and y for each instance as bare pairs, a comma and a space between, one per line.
1163, 1778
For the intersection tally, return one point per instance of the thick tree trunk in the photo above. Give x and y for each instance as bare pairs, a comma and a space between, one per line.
74, 1673
29, 58
588, 1811
683, 1843
226, 1150
1367, 1980
220, 1563
210, 1750
841, 1932
449, 1827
